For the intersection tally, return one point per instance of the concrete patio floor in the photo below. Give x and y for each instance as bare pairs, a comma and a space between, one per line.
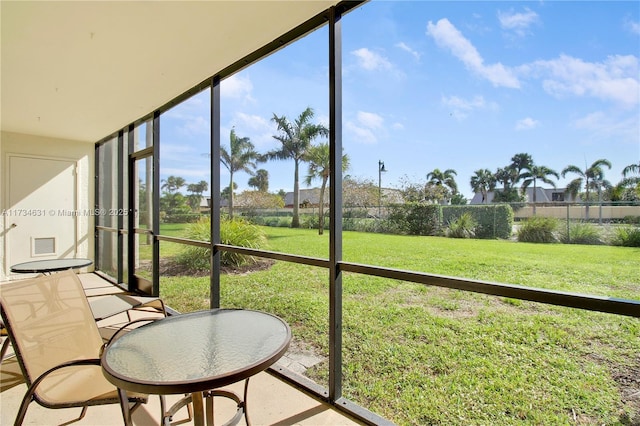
271, 401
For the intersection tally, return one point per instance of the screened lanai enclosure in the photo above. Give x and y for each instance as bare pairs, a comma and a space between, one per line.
421, 107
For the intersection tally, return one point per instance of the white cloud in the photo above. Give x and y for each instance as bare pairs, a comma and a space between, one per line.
259, 129
370, 120
465, 104
192, 115
366, 128
409, 50
517, 22
252, 121
615, 79
527, 124
361, 134
191, 173
632, 26
605, 127
370, 60
448, 37
460, 107
236, 87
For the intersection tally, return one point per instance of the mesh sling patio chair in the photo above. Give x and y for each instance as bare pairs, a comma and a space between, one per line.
57, 343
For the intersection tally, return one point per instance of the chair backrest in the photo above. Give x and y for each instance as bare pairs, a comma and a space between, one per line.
49, 322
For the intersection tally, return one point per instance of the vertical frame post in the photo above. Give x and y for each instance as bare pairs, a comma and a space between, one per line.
96, 204
120, 217
215, 193
131, 195
335, 200
156, 205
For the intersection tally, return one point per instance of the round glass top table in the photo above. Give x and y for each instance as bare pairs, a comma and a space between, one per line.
50, 265
194, 353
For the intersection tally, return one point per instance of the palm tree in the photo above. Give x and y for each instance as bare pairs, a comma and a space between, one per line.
196, 190
318, 158
508, 176
532, 174
173, 183
260, 180
296, 139
242, 156
627, 174
520, 162
446, 178
483, 181
591, 177
631, 180
631, 168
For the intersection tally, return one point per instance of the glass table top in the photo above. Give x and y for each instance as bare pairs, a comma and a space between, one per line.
196, 351
50, 265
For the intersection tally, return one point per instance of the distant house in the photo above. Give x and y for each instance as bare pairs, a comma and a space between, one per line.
205, 204
543, 195
311, 197
308, 198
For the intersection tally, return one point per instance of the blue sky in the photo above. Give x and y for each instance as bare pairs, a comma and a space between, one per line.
449, 85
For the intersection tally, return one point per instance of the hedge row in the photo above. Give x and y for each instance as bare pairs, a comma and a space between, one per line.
494, 220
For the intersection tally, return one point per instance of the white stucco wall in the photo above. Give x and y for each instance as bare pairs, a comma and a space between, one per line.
41, 147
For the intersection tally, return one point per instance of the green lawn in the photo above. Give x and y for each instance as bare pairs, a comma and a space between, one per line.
424, 355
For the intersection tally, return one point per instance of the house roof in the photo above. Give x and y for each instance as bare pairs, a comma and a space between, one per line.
311, 195
543, 195
81, 70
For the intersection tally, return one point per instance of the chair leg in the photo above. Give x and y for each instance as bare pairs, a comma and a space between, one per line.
124, 406
246, 411
82, 414
23, 408
5, 346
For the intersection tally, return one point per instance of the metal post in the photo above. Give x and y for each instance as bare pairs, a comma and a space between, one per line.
600, 202
214, 278
380, 170
335, 200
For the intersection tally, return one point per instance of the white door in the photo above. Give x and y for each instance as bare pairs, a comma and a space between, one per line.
41, 210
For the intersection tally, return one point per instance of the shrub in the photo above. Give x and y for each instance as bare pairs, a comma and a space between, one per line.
360, 225
237, 232
631, 220
627, 236
416, 218
538, 230
493, 221
181, 217
463, 226
284, 222
580, 233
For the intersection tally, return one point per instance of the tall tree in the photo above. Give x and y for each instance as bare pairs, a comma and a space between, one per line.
629, 186
260, 180
359, 192
630, 170
318, 158
296, 139
172, 201
519, 162
173, 183
532, 174
590, 177
444, 179
483, 181
196, 190
241, 156
508, 176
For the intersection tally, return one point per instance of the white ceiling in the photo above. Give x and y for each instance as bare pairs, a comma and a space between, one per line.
81, 70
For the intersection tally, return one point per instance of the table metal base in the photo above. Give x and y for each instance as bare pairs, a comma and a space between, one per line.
199, 411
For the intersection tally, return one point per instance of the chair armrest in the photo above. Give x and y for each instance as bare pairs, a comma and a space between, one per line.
123, 328
41, 377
